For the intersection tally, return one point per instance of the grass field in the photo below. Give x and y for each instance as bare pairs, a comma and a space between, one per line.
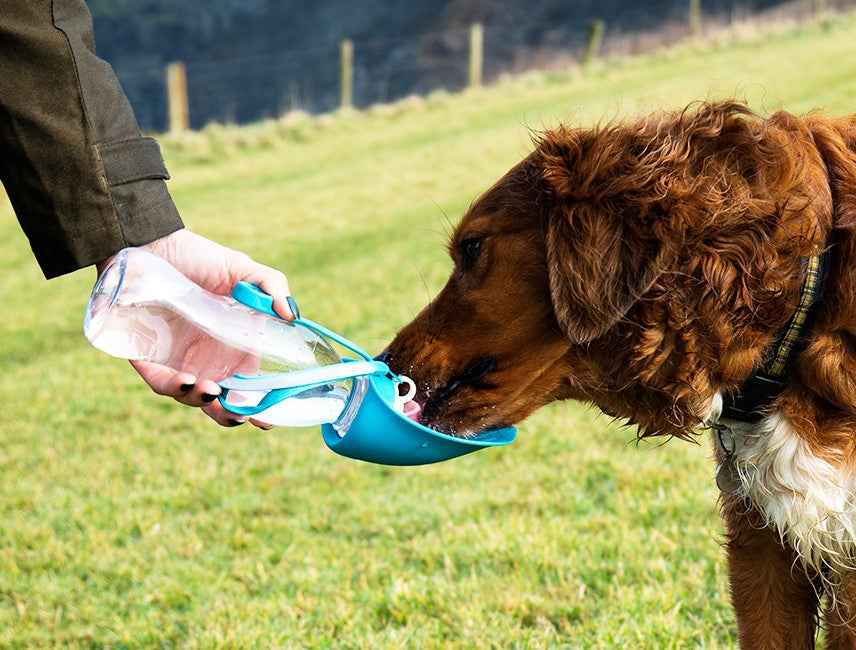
128, 521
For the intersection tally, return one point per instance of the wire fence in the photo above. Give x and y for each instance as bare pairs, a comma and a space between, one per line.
246, 89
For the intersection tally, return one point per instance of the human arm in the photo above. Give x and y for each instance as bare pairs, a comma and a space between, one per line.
83, 181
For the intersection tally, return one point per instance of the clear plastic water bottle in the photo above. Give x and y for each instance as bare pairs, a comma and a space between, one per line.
276, 371
142, 308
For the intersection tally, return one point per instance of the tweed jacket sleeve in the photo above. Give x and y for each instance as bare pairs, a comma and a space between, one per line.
82, 179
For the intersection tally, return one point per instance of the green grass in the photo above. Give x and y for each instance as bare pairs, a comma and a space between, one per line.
127, 520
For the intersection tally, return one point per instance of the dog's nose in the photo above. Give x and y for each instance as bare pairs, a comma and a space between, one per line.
383, 356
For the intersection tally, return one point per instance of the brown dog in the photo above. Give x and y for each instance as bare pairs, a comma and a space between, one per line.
651, 268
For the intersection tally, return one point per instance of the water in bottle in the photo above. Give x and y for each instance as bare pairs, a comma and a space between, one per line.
142, 308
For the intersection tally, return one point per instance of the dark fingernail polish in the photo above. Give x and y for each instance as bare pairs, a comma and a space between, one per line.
292, 305
208, 398
234, 423
186, 387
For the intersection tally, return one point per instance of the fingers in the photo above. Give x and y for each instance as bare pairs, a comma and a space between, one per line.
275, 284
165, 381
186, 389
226, 418
218, 268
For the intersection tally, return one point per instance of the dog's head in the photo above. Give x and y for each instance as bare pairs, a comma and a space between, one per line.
639, 266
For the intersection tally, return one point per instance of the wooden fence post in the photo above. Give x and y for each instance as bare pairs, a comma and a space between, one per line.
695, 18
595, 38
476, 55
176, 92
347, 79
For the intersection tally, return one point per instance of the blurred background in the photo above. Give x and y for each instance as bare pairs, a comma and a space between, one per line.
248, 60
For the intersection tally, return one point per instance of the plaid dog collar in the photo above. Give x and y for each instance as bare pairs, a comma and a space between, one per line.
752, 399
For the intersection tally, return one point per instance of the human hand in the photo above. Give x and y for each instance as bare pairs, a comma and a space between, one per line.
217, 269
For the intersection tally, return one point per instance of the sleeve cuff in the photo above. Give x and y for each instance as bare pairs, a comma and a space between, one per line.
128, 161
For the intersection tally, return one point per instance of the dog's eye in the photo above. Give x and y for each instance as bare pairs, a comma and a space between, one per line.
470, 249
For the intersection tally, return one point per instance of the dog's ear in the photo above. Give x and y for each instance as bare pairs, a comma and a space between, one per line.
617, 200
598, 269
603, 251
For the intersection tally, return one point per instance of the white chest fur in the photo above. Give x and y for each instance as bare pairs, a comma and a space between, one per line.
806, 499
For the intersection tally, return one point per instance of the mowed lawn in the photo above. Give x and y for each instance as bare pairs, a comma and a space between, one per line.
128, 521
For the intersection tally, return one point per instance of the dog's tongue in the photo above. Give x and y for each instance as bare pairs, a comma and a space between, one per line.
412, 410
